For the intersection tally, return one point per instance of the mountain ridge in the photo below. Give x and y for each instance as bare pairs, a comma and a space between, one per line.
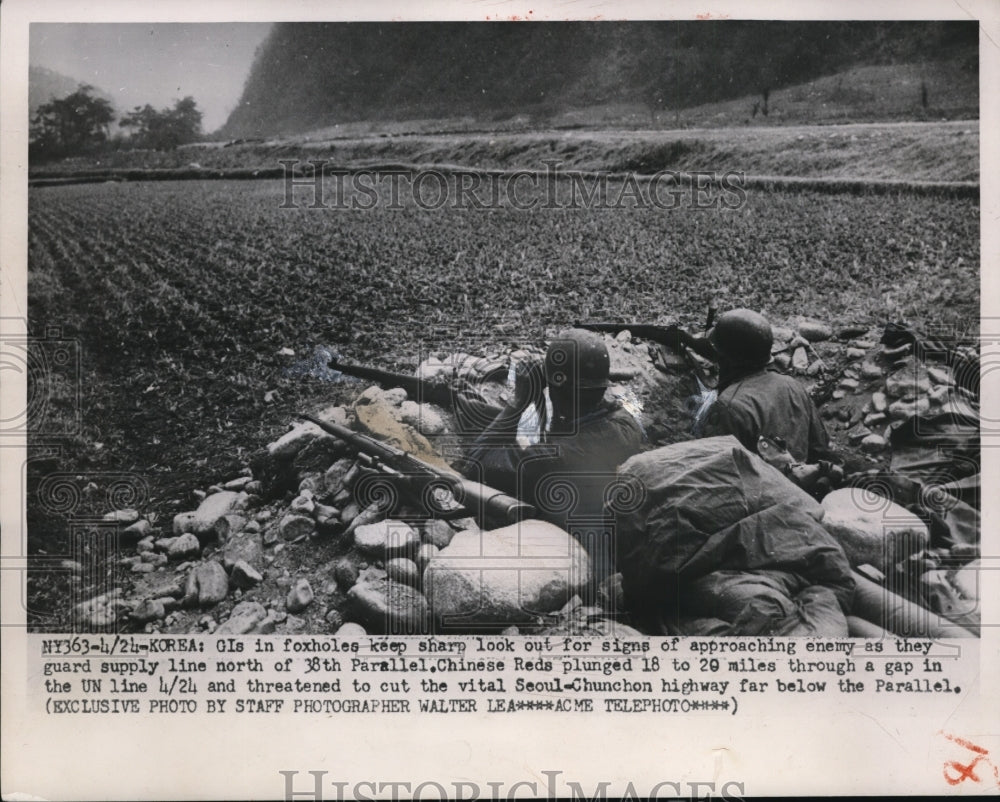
311, 75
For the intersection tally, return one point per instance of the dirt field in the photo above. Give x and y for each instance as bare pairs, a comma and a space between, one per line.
179, 296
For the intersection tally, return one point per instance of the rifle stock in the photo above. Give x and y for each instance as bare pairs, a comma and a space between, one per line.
474, 498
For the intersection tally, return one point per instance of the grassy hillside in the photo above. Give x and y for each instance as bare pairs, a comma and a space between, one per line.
310, 75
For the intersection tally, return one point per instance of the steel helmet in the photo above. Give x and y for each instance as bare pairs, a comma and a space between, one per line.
742, 336
577, 358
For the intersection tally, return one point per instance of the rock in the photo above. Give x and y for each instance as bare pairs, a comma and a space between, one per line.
299, 597
137, 531
869, 370
334, 619
376, 417
873, 444
302, 505
388, 607
849, 384
813, 330
371, 514
858, 433
800, 359
781, 335
836, 395
251, 527
228, 525
939, 395
183, 523
146, 544
345, 572
293, 527
263, 515
940, 375
293, 441
324, 513
394, 396
215, 507
815, 368
438, 533
254, 488
126, 516
425, 554
351, 630
143, 568
245, 547
856, 353
237, 484
173, 587
184, 547
872, 529
72, 566
199, 495
153, 558
507, 575
244, 575
385, 539
350, 511
97, 613
850, 332
148, 610
422, 417
244, 617
401, 569
904, 410
783, 361
465, 525
267, 626
879, 402
875, 418
206, 584
334, 478
336, 414
169, 602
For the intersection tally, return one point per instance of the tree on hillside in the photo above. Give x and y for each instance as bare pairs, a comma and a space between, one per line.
164, 129
71, 125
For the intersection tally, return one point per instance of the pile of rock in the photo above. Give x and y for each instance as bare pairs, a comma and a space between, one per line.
307, 540
340, 552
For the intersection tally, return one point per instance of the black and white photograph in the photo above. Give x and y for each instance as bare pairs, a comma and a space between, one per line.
620, 372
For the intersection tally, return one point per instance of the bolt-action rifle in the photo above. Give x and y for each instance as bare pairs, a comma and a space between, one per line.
472, 411
673, 337
439, 492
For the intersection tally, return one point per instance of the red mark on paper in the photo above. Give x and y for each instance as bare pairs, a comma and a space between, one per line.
956, 772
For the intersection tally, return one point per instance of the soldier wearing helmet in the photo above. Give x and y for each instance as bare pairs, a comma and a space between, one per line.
567, 475
755, 401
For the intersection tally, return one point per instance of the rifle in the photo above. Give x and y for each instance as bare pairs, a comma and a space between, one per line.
473, 412
422, 482
674, 337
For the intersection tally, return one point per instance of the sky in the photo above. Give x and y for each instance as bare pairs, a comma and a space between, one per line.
155, 63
